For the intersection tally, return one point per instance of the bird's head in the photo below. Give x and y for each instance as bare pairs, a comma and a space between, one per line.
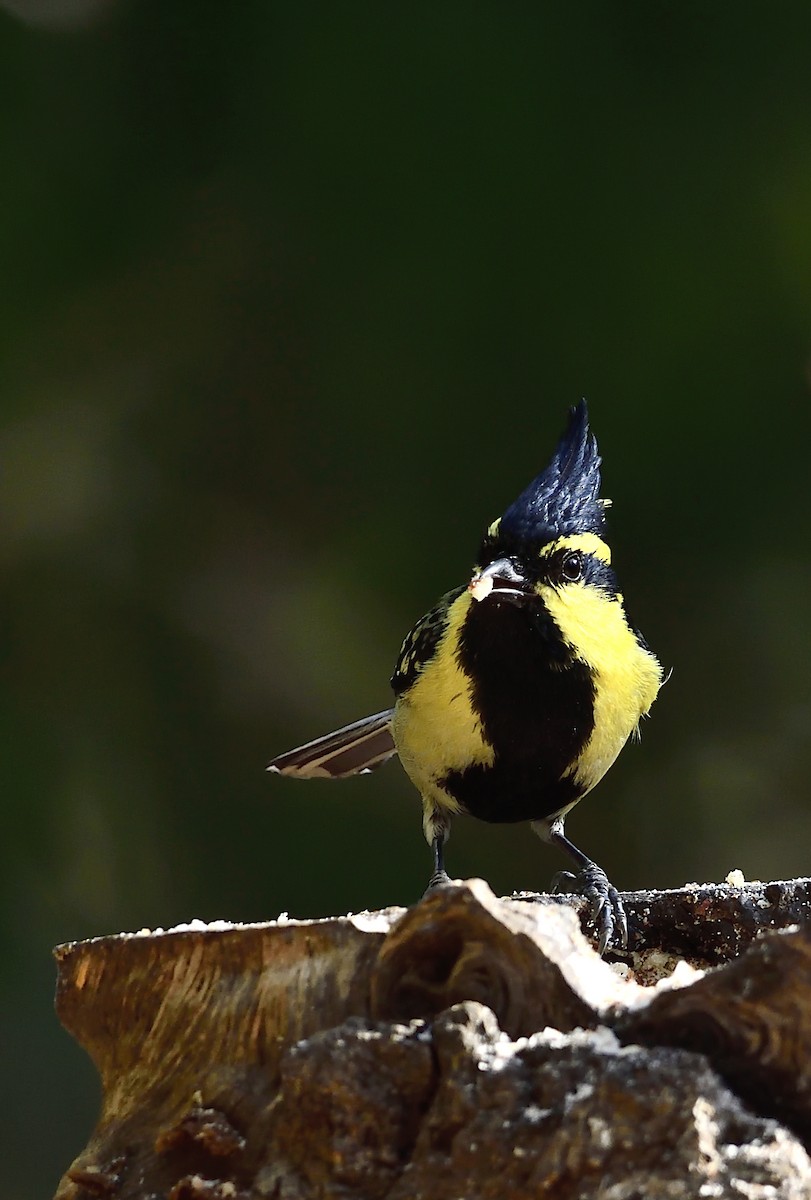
551, 536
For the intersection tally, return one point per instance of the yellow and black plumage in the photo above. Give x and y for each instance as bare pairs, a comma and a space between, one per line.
515, 694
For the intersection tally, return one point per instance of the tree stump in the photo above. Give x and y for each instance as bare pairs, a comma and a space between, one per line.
466, 1047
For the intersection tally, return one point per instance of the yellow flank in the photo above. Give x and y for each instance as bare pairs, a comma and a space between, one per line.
434, 721
589, 543
626, 676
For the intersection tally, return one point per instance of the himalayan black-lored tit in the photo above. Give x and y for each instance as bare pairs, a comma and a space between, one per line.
515, 694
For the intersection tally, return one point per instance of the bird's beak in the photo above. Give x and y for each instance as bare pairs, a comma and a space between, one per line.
500, 579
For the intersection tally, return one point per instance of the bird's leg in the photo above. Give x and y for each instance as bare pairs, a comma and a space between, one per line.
591, 881
436, 833
440, 875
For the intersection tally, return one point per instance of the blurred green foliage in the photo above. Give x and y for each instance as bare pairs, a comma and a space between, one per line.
293, 300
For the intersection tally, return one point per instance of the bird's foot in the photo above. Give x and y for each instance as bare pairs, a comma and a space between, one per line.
438, 879
607, 910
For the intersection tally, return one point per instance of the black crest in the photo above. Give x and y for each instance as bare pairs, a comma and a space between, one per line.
564, 498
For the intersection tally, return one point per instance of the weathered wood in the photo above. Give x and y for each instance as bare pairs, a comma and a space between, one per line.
468, 1046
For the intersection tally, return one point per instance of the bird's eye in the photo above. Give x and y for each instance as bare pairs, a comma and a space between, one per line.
572, 566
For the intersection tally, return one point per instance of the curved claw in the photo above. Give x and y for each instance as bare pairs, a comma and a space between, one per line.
438, 879
607, 910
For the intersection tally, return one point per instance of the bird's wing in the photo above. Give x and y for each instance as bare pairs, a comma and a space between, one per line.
353, 750
421, 643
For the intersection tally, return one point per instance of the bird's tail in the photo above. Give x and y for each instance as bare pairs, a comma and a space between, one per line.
354, 750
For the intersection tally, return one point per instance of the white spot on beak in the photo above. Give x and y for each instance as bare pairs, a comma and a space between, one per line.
480, 586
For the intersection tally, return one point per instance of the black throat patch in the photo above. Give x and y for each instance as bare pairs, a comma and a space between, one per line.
535, 701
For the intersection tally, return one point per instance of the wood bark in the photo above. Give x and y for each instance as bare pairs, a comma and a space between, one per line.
466, 1047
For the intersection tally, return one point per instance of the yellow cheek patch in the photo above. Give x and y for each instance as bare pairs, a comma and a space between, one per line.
587, 543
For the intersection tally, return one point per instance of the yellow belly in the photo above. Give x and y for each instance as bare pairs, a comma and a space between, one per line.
437, 731
626, 676
435, 728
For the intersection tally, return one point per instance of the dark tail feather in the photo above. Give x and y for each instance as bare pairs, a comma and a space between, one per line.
354, 750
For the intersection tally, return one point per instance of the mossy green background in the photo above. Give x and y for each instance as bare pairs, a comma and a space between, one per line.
293, 300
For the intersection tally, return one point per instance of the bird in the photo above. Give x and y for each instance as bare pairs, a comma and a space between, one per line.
515, 694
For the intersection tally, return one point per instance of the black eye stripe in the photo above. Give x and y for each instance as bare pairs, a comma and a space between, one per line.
567, 565
544, 565
593, 570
